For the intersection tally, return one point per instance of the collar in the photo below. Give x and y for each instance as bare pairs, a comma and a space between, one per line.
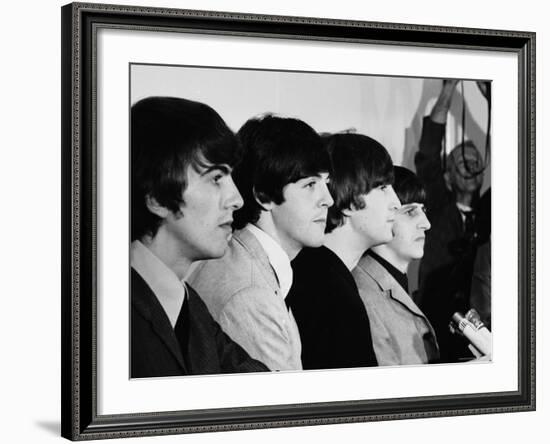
463, 210
401, 278
166, 286
277, 258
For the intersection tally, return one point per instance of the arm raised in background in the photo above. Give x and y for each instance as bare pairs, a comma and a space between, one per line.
428, 158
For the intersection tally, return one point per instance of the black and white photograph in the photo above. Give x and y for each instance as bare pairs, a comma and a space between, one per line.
288, 221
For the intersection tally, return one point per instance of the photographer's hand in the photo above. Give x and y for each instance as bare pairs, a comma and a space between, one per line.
484, 87
441, 107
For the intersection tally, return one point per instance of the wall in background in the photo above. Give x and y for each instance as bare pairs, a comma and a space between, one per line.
389, 109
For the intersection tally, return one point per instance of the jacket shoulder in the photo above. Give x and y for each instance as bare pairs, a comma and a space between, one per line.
364, 278
218, 280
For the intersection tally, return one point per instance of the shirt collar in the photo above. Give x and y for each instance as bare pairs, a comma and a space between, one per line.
401, 278
463, 209
168, 289
277, 258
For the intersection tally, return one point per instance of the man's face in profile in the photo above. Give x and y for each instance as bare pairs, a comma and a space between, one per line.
202, 229
375, 220
409, 229
301, 218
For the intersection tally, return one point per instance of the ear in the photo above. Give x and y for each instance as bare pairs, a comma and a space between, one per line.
154, 207
262, 200
347, 212
447, 178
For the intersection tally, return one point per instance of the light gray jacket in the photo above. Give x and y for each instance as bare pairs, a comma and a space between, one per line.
401, 333
243, 295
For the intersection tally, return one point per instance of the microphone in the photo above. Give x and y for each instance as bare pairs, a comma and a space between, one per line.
471, 326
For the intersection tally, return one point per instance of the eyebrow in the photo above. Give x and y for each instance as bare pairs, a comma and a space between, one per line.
408, 206
320, 175
225, 169
314, 176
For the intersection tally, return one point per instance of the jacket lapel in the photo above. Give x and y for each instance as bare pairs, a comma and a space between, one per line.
146, 303
249, 241
390, 286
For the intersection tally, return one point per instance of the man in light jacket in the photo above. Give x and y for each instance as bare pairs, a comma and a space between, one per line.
283, 180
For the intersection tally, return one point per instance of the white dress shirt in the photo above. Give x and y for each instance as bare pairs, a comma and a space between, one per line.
278, 258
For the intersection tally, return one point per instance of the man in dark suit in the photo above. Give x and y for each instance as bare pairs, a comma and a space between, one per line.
183, 198
332, 319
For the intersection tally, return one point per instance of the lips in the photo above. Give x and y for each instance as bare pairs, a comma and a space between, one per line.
227, 224
321, 218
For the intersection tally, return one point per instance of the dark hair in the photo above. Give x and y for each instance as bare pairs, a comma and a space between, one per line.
407, 186
359, 164
276, 151
168, 135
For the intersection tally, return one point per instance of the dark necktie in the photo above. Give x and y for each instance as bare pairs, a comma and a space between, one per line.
182, 326
469, 225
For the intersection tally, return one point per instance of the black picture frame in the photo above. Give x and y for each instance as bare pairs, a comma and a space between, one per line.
80, 22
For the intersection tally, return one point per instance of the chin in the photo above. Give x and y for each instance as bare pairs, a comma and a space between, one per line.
415, 255
470, 188
216, 252
314, 242
386, 240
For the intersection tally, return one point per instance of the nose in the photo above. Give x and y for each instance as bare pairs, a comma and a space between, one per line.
393, 201
326, 199
234, 199
424, 223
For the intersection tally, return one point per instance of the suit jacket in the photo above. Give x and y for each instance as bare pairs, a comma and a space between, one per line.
333, 323
155, 350
401, 333
480, 297
242, 293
